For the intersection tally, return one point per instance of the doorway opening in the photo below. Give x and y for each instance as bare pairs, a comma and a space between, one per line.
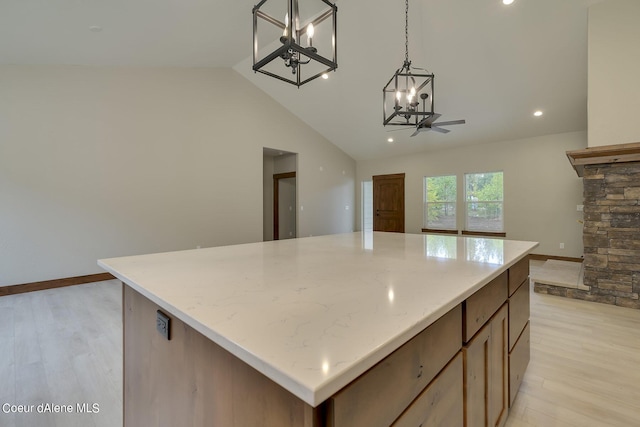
284, 202
280, 194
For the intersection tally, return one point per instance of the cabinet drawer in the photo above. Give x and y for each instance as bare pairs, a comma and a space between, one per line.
518, 273
441, 403
480, 306
518, 362
382, 393
518, 312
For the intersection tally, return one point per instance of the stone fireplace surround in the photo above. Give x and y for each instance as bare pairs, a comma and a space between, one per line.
611, 231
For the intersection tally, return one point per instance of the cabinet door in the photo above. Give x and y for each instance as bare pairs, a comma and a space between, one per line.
486, 374
499, 385
518, 312
518, 362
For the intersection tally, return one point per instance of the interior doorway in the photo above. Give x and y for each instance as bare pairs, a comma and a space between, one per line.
280, 194
284, 202
388, 203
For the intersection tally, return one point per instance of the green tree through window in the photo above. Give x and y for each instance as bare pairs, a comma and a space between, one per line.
484, 199
440, 202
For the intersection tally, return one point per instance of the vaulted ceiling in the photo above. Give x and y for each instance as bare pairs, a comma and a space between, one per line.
494, 64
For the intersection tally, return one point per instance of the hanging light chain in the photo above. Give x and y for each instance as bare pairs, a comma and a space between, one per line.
406, 32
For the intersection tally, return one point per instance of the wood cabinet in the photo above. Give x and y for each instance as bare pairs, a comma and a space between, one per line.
480, 306
462, 370
518, 362
380, 395
486, 373
191, 381
440, 403
518, 273
519, 312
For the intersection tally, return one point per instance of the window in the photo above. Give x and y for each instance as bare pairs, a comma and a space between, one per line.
484, 202
440, 197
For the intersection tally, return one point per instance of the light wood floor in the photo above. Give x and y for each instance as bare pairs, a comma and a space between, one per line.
64, 346
585, 365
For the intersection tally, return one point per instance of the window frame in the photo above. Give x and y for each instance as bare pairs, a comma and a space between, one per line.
477, 231
425, 205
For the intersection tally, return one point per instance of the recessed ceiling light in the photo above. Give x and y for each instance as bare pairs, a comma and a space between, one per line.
538, 113
507, 2
325, 76
390, 140
95, 28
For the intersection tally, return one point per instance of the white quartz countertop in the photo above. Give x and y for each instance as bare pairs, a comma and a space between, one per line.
314, 313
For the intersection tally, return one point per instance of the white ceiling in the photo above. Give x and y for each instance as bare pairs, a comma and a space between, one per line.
494, 64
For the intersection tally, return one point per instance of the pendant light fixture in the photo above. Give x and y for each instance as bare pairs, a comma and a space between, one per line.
299, 48
408, 96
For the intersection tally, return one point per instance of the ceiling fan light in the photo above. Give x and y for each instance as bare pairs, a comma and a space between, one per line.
507, 2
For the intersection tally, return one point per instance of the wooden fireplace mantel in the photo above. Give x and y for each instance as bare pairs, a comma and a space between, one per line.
619, 153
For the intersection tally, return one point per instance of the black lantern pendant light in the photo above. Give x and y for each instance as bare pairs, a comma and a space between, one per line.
408, 96
407, 99
298, 49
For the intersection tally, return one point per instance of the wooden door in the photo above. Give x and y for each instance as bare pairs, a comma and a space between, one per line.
388, 203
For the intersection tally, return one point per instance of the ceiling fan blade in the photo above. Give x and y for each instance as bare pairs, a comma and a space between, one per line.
418, 131
437, 129
452, 122
429, 120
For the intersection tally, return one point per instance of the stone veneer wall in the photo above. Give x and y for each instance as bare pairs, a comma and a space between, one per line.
611, 236
612, 233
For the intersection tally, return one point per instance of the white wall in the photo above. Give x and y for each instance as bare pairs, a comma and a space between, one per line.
614, 65
541, 189
104, 162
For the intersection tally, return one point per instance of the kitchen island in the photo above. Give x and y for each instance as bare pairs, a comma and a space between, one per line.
350, 329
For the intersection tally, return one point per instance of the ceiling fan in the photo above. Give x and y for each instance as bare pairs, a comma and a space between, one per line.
430, 124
